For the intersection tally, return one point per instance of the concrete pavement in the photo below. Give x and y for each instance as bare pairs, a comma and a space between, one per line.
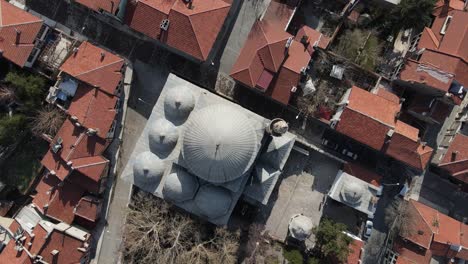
146, 88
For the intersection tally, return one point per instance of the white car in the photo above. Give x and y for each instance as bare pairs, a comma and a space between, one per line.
369, 226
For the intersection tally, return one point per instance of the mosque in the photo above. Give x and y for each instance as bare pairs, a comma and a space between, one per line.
203, 153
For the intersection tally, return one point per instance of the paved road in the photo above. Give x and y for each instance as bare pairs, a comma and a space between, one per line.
148, 83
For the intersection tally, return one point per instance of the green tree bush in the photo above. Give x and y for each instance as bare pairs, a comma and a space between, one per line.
29, 88
10, 128
331, 242
294, 256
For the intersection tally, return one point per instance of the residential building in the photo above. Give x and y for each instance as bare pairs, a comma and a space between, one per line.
21, 35
75, 170
272, 61
29, 239
371, 118
190, 27
441, 63
430, 234
454, 162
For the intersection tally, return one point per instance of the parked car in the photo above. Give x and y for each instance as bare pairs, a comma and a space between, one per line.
368, 230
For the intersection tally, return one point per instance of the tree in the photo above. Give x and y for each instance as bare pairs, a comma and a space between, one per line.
10, 128
401, 218
331, 242
154, 233
28, 87
7, 95
412, 14
47, 120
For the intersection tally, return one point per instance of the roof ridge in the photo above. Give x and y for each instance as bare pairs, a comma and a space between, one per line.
92, 164
20, 24
196, 37
427, 224
453, 162
209, 10
99, 68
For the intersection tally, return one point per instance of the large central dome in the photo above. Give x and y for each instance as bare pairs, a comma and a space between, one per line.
219, 143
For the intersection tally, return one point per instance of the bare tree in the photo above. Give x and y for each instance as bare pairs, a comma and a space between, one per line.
7, 95
47, 120
401, 218
154, 233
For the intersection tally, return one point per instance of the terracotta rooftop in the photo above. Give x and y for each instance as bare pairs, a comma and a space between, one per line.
446, 56
88, 208
94, 108
365, 112
354, 256
47, 237
435, 232
18, 32
57, 199
95, 66
313, 38
362, 173
455, 160
265, 55
188, 30
77, 144
110, 6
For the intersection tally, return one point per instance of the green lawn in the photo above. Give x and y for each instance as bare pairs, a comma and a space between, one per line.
21, 167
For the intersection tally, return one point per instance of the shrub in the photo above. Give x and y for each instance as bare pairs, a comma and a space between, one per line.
294, 256
10, 128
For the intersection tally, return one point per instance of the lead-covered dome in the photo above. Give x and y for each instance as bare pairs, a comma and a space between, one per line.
219, 143
179, 102
300, 227
352, 192
148, 168
162, 136
180, 186
213, 201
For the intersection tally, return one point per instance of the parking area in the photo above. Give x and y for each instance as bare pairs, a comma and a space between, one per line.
302, 190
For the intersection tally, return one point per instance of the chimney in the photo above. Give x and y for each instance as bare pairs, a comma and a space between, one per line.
454, 156
103, 55
54, 252
305, 40
18, 36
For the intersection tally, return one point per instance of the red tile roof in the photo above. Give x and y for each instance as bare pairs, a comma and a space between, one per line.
85, 169
57, 199
457, 164
354, 256
362, 173
187, 30
13, 20
366, 112
43, 243
88, 208
410, 253
265, 50
94, 109
313, 37
446, 56
110, 6
77, 144
95, 66
435, 232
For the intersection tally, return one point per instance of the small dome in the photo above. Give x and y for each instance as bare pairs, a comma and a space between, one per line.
300, 227
352, 192
179, 102
148, 168
162, 136
213, 201
219, 144
180, 186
